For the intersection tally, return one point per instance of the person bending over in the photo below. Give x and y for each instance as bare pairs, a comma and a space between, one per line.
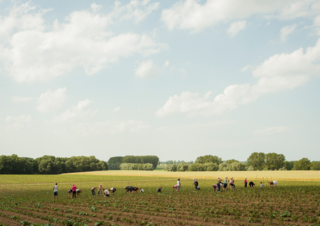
93, 190
273, 183
113, 190
159, 190
135, 189
141, 190
70, 193
214, 187
129, 189
251, 184
106, 193
78, 192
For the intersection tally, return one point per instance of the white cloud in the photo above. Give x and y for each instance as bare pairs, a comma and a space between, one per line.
272, 130
31, 51
237, 26
166, 64
279, 72
19, 122
146, 69
95, 7
135, 10
111, 127
316, 24
195, 15
51, 100
20, 99
286, 30
246, 68
79, 111
116, 109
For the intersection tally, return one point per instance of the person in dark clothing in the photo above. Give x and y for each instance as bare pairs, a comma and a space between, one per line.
93, 190
129, 189
251, 184
196, 184
159, 189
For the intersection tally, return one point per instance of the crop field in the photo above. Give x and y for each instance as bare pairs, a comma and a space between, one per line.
28, 200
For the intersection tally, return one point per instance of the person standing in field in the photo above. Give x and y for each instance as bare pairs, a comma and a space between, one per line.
245, 182
74, 191
55, 191
231, 183
219, 183
100, 190
178, 185
196, 184
225, 184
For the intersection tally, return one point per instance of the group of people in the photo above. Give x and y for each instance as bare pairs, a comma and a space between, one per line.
74, 191
105, 192
230, 182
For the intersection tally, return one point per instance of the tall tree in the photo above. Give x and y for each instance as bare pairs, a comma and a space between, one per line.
208, 158
256, 160
274, 161
302, 164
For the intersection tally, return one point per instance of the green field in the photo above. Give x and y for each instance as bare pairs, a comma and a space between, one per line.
29, 199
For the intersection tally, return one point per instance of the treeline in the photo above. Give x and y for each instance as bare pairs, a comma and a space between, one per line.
256, 161
49, 164
115, 162
136, 166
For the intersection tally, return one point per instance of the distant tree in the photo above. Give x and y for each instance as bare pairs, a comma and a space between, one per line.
315, 165
209, 166
274, 161
174, 167
223, 167
114, 163
207, 159
231, 161
288, 165
302, 164
256, 160
183, 166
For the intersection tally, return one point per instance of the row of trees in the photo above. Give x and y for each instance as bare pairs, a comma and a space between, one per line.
115, 162
256, 161
49, 164
136, 166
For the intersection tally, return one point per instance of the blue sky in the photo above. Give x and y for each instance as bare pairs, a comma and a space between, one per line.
174, 79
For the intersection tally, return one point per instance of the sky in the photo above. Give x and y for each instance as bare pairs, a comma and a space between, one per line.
176, 79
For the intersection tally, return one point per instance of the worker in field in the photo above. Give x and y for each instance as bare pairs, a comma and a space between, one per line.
93, 190
225, 184
113, 190
141, 190
159, 190
214, 187
245, 182
273, 183
78, 191
100, 190
74, 191
219, 183
178, 185
135, 189
196, 184
70, 193
261, 185
55, 191
231, 183
106, 193
251, 184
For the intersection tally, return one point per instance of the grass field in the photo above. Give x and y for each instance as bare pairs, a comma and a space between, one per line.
28, 199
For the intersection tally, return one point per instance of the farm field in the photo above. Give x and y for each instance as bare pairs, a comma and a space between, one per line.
28, 199
300, 175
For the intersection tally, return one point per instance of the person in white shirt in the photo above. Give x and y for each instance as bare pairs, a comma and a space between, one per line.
113, 190
178, 185
141, 190
273, 183
55, 191
106, 193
